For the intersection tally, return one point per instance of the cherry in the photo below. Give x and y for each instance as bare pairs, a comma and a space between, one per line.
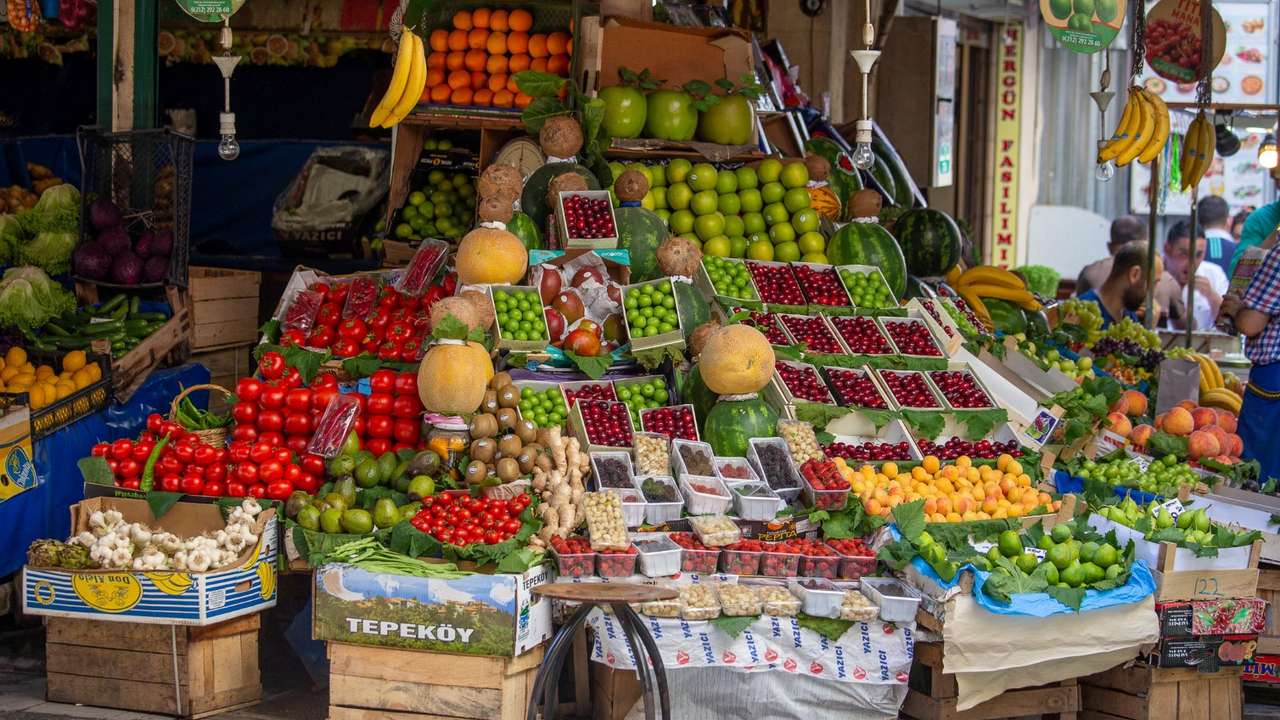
909, 388
981, 449
675, 422
776, 283
870, 451
960, 389
821, 287
855, 388
912, 337
766, 323
593, 391
813, 332
862, 336
803, 382
588, 217
608, 423
930, 308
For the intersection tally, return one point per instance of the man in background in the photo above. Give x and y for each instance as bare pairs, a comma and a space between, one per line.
1237, 222
1124, 229
1211, 281
1215, 217
1257, 317
1125, 289
1259, 230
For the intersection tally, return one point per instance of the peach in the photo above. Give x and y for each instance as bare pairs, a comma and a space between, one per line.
1201, 444
1226, 420
1224, 443
1135, 403
1178, 421
1186, 405
1204, 417
1141, 435
1119, 424
1234, 446
1160, 421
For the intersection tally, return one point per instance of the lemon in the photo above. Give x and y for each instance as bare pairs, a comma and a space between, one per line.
25, 379
44, 371
65, 389
82, 378
95, 372
8, 374
35, 397
1009, 543
28, 368
73, 360
16, 356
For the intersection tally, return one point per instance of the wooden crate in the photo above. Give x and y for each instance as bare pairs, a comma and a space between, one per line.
932, 694
189, 672
224, 307
1204, 584
1269, 590
1141, 692
226, 366
373, 683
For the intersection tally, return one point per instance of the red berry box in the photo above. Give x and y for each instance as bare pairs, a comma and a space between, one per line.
912, 337
677, 422
584, 221
961, 389
862, 335
910, 389
587, 390
821, 285
776, 283
817, 559
602, 424
617, 563
780, 559
574, 557
694, 556
824, 487
742, 557
767, 323
802, 383
892, 443
812, 330
856, 558
856, 388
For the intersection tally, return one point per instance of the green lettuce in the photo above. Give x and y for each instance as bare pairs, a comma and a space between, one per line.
50, 251
57, 210
10, 236
29, 298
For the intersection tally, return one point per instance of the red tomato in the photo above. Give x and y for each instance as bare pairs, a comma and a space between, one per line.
171, 483
101, 449
185, 453
270, 471
406, 384
282, 455
216, 471
214, 488
192, 485
406, 406
299, 424
379, 426
236, 489
121, 449
298, 400
238, 451
244, 413
358, 425
377, 446
381, 403
291, 338
346, 348
325, 380
246, 473
409, 350
274, 439
244, 433
261, 452
297, 443
272, 397
279, 490
271, 365
193, 471
292, 473
353, 329
204, 455
248, 389
129, 468
379, 320
258, 491
382, 381
370, 345
154, 421
322, 337
308, 483
406, 430
329, 316
270, 420
322, 396
142, 451
292, 378
313, 464
400, 330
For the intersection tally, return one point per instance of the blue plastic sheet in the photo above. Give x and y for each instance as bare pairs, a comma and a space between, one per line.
41, 512
1065, 483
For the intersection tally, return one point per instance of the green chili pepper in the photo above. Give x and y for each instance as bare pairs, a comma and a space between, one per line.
149, 469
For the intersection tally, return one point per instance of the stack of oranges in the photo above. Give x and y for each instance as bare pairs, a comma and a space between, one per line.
475, 63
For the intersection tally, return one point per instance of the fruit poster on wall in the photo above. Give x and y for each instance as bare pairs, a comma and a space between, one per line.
1237, 179
1242, 74
1173, 40
1083, 26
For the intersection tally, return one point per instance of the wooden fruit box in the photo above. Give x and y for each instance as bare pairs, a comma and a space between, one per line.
188, 672
1204, 584
226, 366
374, 683
1146, 693
1269, 590
932, 694
224, 307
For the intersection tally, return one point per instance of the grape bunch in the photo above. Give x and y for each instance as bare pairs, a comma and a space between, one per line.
1128, 329
1087, 315
1143, 358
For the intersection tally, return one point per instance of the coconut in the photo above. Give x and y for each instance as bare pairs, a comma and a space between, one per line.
560, 137
679, 256
819, 168
698, 338
631, 186
460, 308
481, 305
564, 182
866, 203
495, 208
499, 180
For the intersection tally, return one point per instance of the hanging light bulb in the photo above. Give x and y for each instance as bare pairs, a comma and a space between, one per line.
228, 147
1106, 170
863, 158
1267, 156
863, 129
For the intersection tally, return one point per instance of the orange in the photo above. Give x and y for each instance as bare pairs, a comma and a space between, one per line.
520, 20
436, 60
482, 97
498, 20
462, 20
517, 42
558, 64
461, 96
497, 64
479, 80
480, 17
538, 45
477, 38
518, 63
522, 100
459, 79
502, 98
458, 40
538, 65
435, 76
497, 43
558, 43
455, 60
476, 60
425, 97
497, 82
439, 40
568, 47
511, 85
440, 93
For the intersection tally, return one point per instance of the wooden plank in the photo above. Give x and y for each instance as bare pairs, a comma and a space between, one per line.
403, 695
1268, 579
1175, 675
338, 712
1162, 701
1224, 698
475, 671
217, 283
244, 624
1113, 701
1098, 715
1131, 680
226, 361
206, 312
1206, 584
929, 653
1193, 700
1011, 703
113, 693
229, 332
105, 634
117, 663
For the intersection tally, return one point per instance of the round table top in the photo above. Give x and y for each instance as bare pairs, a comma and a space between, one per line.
605, 593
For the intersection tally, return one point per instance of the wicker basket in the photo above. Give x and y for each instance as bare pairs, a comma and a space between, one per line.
214, 437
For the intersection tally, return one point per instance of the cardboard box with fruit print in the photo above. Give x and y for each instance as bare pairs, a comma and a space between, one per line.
168, 597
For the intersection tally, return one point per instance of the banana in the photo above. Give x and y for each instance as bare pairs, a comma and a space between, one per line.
170, 583
267, 577
1161, 134
990, 275
1021, 298
1221, 398
1208, 144
975, 303
413, 88
1123, 134
954, 275
1204, 383
1214, 370
399, 78
1143, 136
1187, 161
1201, 138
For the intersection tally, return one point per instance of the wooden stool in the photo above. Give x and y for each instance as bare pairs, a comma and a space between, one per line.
619, 598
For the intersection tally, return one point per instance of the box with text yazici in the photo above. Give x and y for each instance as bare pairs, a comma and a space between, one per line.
477, 614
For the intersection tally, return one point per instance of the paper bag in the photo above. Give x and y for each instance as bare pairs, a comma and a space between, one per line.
1179, 380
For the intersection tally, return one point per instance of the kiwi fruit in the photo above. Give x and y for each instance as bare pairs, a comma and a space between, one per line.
508, 396
527, 458
500, 379
507, 418
490, 404
508, 469
484, 450
476, 472
509, 446
484, 425
527, 431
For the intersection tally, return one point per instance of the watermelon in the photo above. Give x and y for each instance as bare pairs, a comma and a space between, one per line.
1037, 324
732, 422
905, 192
696, 392
884, 181
640, 232
533, 200
694, 310
1007, 317
869, 244
917, 288
522, 226
930, 241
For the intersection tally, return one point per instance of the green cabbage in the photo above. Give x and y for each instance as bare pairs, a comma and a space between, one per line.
50, 251
57, 210
1041, 280
29, 298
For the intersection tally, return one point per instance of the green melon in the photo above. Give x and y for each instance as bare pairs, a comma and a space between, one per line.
732, 422
1007, 317
930, 241
869, 244
640, 232
533, 201
880, 173
694, 310
523, 227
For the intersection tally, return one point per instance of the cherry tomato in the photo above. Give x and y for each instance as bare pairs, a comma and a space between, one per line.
381, 403
258, 491
313, 464
236, 489
171, 483
215, 471
248, 389
274, 439
271, 365
204, 455
297, 443
279, 490
129, 468
261, 452
214, 488
272, 397
292, 378
270, 471
244, 413
244, 433
121, 449
377, 446
246, 473
270, 420
154, 421
101, 449
406, 430
406, 406
192, 485
142, 451
382, 381
379, 426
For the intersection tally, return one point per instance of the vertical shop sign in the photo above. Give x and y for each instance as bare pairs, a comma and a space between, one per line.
1002, 249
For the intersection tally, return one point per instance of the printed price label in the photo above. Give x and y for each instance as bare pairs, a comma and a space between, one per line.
1174, 506
1040, 554
1143, 461
983, 546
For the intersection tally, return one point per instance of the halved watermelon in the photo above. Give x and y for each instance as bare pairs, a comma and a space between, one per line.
869, 244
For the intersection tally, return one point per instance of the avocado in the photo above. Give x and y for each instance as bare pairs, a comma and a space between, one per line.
385, 513
387, 467
346, 487
335, 501
368, 474
420, 487
297, 500
309, 518
424, 463
331, 520
357, 522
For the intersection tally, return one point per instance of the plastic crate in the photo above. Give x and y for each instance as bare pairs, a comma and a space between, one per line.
79, 404
148, 175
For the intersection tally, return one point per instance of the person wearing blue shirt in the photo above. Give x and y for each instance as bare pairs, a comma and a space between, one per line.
1125, 289
1259, 231
1215, 217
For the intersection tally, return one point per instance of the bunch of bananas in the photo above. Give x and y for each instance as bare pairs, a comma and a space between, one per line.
1141, 132
987, 281
1214, 391
1197, 151
408, 79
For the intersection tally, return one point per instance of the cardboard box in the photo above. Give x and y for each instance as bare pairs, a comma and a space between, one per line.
603, 243
479, 614
1228, 616
172, 598
674, 54
224, 307
1206, 653
617, 262
505, 341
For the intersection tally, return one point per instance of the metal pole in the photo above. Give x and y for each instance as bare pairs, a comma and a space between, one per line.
1191, 269
1149, 270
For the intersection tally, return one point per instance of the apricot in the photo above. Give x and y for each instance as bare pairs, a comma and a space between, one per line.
1178, 421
